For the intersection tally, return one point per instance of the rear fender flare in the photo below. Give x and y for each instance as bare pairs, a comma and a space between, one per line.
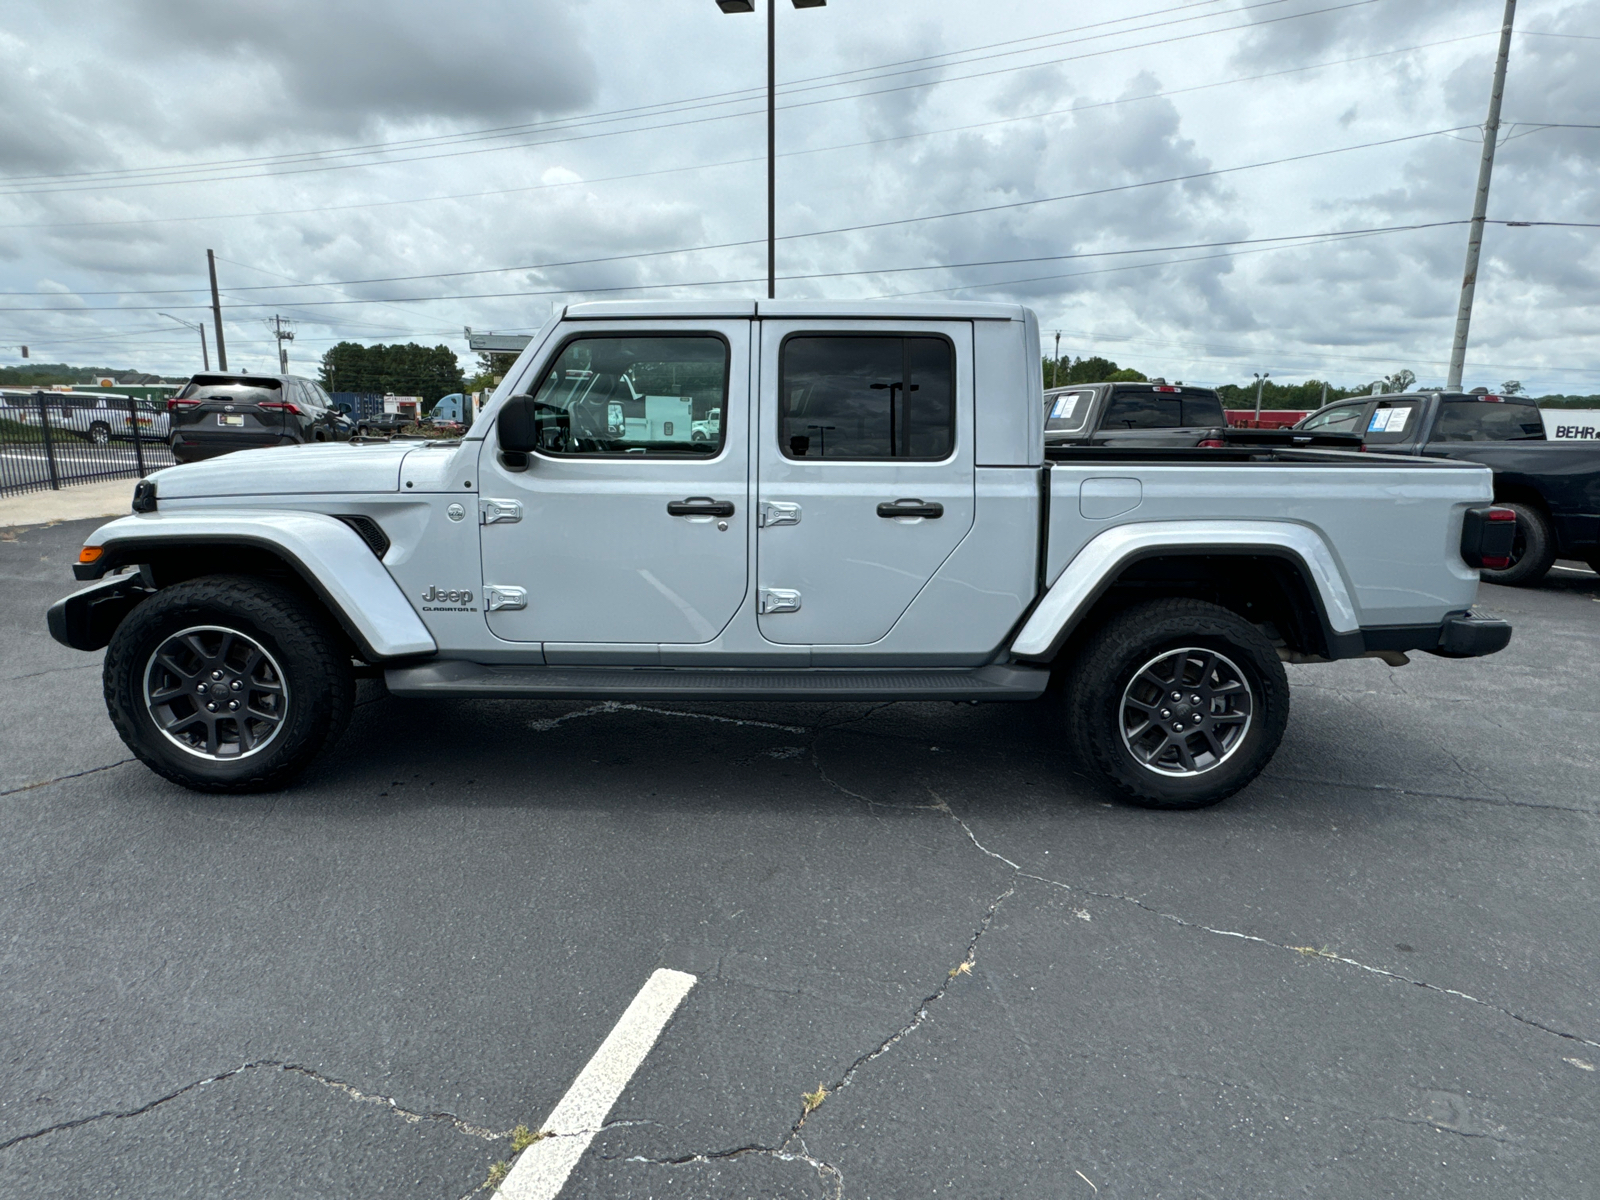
1096, 567
325, 552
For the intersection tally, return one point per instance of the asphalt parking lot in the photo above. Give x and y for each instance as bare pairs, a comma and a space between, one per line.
930, 959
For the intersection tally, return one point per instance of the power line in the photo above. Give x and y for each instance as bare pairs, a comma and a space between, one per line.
336, 166
686, 104
1074, 109
793, 236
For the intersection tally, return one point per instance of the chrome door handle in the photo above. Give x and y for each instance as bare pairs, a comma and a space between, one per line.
910, 508
700, 506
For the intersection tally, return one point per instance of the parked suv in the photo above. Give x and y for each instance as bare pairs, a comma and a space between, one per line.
213, 414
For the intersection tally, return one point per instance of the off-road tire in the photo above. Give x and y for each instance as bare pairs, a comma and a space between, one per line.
1112, 658
1533, 552
314, 660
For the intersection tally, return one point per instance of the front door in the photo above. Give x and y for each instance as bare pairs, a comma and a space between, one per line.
627, 524
865, 478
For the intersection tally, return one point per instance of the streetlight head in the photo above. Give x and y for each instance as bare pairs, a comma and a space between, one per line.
737, 6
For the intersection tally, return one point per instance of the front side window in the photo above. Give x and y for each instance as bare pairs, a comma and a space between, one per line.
1337, 420
866, 397
650, 395
1488, 421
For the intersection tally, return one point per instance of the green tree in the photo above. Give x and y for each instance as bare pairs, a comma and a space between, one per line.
1400, 381
402, 369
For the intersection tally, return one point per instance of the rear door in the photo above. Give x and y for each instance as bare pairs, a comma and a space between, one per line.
865, 480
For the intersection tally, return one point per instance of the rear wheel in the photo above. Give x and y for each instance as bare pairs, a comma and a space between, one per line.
1179, 703
100, 433
228, 684
1533, 550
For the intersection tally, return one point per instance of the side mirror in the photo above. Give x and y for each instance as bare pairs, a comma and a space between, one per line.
525, 425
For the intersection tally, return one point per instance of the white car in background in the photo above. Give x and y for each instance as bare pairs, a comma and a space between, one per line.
94, 416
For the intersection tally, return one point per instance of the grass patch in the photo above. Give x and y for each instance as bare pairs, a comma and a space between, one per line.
497, 1175
813, 1100
522, 1138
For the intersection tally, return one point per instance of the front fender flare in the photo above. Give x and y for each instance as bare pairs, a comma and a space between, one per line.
1098, 564
327, 554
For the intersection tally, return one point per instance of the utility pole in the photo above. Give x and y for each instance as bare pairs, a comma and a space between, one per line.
1480, 205
1260, 383
1055, 363
216, 313
283, 335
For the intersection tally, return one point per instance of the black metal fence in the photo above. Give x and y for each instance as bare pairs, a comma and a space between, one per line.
55, 439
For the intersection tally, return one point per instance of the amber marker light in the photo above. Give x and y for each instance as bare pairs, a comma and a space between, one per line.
91, 554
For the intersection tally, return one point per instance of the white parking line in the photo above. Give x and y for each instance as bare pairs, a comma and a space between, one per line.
541, 1171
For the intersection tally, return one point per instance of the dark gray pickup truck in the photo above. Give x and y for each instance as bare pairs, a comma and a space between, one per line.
1150, 414
1554, 487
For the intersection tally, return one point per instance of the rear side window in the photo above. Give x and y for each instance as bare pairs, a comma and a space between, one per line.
1143, 410
651, 395
1065, 411
866, 397
1393, 421
1488, 421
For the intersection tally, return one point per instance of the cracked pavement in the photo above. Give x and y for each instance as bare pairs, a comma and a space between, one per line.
932, 958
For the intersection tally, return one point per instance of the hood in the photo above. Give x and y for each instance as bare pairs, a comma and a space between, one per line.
288, 470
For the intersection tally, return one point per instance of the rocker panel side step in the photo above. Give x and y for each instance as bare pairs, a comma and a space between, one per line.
466, 679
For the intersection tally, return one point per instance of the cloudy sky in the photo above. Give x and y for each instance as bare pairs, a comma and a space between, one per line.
1157, 178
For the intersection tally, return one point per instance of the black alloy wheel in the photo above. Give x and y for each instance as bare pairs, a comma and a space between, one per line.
228, 683
1177, 703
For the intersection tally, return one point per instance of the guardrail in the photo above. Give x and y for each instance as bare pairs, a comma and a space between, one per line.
47, 441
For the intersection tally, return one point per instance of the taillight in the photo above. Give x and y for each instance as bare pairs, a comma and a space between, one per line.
1486, 537
174, 404
1211, 443
283, 406
1166, 389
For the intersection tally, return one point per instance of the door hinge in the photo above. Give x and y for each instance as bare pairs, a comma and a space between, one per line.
779, 600
497, 597
778, 512
495, 512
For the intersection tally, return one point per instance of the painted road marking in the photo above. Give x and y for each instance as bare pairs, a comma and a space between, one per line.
541, 1171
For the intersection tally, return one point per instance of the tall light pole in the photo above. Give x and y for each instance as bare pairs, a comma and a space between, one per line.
1480, 204
747, 6
205, 355
1261, 380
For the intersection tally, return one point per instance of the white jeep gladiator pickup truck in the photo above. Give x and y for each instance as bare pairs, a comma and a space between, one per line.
783, 500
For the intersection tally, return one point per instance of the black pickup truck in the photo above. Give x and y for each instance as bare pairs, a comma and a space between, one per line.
1554, 487
1133, 414
1158, 415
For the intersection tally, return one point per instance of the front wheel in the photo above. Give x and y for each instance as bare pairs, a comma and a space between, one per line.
228, 684
100, 433
1179, 703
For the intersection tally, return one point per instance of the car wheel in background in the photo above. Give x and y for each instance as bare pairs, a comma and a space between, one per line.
100, 433
228, 683
1178, 702
1533, 551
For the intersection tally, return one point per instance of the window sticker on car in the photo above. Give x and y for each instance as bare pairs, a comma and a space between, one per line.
1389, 420
1064, 407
